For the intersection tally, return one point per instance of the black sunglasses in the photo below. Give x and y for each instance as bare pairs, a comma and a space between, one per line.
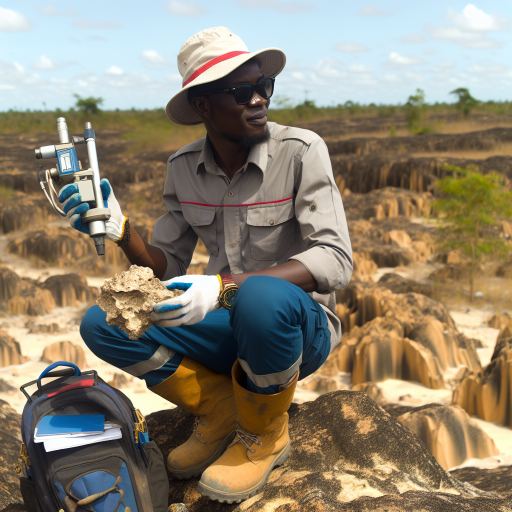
243, 93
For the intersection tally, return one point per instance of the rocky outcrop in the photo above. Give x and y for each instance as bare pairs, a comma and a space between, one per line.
23, 210
23, 296
347, 455
388, 202
500, 321
399, 284
388, 246
119, 380
449, 434
371, 389
488, 393
363, 267
362, 174
10, 350
433, 142
32, 301
69, 289
379, 350
62, 247
64, 351
497, 480
360, 302
10, 440
128, 299
398, 336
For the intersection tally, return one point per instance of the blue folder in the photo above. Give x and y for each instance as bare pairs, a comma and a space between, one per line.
71, 424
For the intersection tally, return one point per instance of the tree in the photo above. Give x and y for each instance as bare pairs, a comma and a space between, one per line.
466, 102
470, 203
415, 111
88, 105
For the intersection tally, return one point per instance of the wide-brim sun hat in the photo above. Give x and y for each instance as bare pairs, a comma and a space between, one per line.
212, 54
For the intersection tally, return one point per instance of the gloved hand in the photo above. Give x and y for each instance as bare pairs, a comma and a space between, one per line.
73, 207
200, 298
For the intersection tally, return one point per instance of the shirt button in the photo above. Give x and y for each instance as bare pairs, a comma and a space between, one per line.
230, 193
233, 245
271, 222
312, 207
195, 222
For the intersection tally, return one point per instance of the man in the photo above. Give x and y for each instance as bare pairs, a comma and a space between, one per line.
263, 199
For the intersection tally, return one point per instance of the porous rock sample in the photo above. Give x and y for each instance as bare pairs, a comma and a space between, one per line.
348, 455
128, 299
449, 434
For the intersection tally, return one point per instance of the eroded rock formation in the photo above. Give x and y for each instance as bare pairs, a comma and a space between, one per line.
10, 350
347, 455
398, 336
69, 289
10, 440
399, 284
128, 299
64, 351
62, 247
488, 393
449, 434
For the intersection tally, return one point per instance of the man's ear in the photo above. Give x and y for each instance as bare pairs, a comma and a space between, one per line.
201, 106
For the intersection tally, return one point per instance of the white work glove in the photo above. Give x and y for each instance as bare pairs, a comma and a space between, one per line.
200, 298
73, 207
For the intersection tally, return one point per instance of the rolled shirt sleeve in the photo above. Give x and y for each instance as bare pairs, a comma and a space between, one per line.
321, 217
172, 233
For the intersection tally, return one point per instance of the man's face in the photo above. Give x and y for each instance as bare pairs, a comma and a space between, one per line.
234, 121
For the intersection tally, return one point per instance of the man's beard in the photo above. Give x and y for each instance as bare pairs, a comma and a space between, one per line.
248, 141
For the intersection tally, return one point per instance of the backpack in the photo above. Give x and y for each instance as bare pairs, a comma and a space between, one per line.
121, 475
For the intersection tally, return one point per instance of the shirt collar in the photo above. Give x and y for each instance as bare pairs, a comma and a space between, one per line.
258, 155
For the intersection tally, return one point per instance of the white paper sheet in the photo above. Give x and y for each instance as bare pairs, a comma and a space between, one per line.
62, 443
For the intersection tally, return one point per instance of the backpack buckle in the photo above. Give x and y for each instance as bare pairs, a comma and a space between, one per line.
23, 459
140, 426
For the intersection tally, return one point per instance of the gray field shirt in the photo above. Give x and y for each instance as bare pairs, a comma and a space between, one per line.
282, 205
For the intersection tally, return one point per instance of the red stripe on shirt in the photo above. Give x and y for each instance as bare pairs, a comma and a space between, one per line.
236, 205
210, 63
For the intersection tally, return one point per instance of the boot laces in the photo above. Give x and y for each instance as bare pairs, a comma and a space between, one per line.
197, 422
247, 438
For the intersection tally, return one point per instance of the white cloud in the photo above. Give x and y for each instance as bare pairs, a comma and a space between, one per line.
395, 60
51, 10
95, 25
153, 58
13, 21
44, 64
350, 48
114, 71
443, 67
488, 69
473, 19
185, 9
288, 7
359, 68
429, 51
471, 28
413, 38
330, 67
370, 10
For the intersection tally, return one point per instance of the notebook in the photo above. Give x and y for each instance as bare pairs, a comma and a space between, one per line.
70, 424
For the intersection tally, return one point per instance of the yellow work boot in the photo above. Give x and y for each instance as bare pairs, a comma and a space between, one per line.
262, 443
209, 395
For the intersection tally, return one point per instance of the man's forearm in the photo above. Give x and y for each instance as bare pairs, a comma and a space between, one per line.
292, 271
139, 252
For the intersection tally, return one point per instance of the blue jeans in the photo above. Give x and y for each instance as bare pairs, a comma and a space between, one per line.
274, 328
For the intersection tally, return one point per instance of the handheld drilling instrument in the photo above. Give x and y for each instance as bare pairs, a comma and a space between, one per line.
69, 170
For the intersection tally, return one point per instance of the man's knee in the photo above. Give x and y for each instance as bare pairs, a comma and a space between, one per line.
263, 302
90, 327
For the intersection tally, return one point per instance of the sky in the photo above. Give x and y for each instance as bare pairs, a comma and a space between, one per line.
380, 52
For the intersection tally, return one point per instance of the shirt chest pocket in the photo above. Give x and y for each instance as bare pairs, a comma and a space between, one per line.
203, 222
271, 231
